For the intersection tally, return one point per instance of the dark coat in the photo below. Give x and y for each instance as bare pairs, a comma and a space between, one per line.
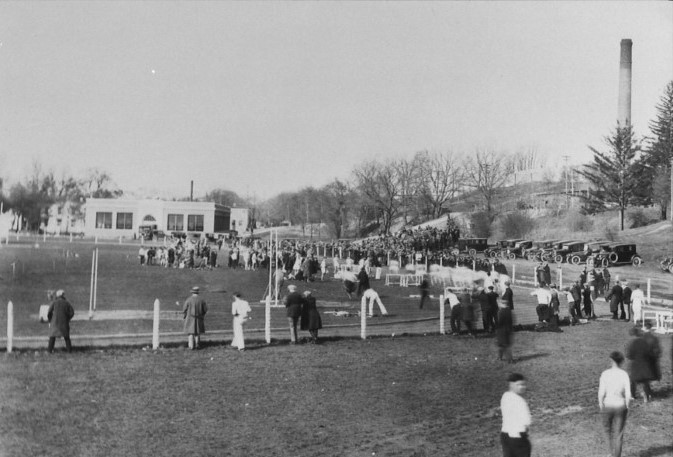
616, 297
293, 304
655, 353
194, 310
508, 297
467, 308
504, 327
547, 274
59, 315
626, 295
641, 367
310, 317
492, 298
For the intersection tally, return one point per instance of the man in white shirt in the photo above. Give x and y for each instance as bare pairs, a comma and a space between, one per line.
371, 296
516, 419
240, 309
455, 313
614, 396
543, 298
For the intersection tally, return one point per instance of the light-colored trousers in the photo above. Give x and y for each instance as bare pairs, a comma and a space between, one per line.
238, 340
377, 299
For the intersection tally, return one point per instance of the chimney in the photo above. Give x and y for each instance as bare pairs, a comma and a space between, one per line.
624, 109
191, 191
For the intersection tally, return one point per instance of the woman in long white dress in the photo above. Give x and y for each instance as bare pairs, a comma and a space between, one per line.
240, 309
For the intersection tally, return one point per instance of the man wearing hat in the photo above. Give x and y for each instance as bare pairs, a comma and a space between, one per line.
59, 315
194, 311
508, 295
293, 304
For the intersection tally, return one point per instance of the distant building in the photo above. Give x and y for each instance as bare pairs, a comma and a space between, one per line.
118, 217
64, 218
240, 220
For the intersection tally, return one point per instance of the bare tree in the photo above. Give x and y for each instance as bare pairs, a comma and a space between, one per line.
528, 158
381, 185
487, 171
441, 177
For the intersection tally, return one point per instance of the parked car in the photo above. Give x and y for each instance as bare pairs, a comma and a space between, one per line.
541, 250
567, 250
472, 245
500, 248
666, 264
623, 254
519, 249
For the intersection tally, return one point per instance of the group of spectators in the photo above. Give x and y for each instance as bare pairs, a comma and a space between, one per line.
180, 254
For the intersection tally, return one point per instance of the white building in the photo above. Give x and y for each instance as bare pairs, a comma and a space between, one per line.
118, 217
240, 220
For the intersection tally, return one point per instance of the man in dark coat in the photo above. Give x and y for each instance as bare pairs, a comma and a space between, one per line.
576, 292
504, 333
492, 297
363, 281
59, 315
293, 305
655, 349
425, 290
547, 273
615, 297
310, 317
626, 303
539, 272
194, 311
482, 298
508, 295
641, 370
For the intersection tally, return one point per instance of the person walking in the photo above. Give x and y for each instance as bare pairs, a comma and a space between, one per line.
587, 301
614, 397
310, 317
504, 332
641, 370
516, 419
363, 281
240, 310
655, 350
59, 315
616, 299
637, 302
293, 304
425, 290
626, 302
194, 311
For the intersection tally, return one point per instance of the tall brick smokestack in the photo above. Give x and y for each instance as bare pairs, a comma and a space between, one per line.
624, 109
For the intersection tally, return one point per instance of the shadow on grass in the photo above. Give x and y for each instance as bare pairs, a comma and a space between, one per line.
523, 358
656, 451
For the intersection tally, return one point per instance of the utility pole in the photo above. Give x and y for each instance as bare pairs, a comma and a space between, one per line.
565, 172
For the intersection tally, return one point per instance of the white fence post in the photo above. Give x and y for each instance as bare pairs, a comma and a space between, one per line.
155, 327
10, 326
267, 319
649, 290
363, 319
513, 273
442, 330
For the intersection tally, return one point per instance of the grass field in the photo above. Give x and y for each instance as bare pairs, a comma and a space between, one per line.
416, 394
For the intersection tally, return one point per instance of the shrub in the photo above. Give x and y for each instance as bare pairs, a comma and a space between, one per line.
517, 225
639, 218
480, 225
578, 222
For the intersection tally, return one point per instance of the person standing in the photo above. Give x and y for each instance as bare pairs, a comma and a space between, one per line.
504, 332
508, 295
455, 313
241, 310
641, 371
615, 298
425, 290
363, 281
626, 302
554, 307
543, 298
587, 302
606, 278
310, 317
637, 302
59, 315
293, 304
194, 311
468, 312
482, 298
614, 396
516, 419
655, 350
576, 291
492, 298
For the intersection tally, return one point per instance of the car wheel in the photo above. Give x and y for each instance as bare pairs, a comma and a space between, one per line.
613, 257
558, 258
605, 262
472, 252
575, 260
670, 268
511, 256
637, 261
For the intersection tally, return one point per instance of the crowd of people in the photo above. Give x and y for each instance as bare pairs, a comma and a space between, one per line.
199, 254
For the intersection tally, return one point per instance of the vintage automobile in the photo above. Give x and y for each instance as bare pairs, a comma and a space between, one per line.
666, 264
541, 250
472, 245
500, 248
567, 250
622, 254
591, 254
519, 249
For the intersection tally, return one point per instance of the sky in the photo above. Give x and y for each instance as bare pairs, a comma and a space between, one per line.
268, 97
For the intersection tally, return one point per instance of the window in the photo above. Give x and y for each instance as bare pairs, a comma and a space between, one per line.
125, 221
103, 220
195, 223
176, 222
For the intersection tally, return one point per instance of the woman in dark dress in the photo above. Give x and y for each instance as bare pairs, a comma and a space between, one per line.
587, 302
310, 318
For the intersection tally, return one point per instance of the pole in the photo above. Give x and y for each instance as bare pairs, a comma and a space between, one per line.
363, 319
513, 273
560, 277
649, 290
95, 283
270, 264
267, 320
93, 258
442, 330
10, 326
155, 327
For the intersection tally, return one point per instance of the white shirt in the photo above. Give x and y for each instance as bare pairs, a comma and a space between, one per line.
240, 307
453, 299
515, 414
637, 297
614, 388
369, 294
543, 296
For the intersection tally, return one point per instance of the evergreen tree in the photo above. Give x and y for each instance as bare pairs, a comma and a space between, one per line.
656, 160
613, 173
